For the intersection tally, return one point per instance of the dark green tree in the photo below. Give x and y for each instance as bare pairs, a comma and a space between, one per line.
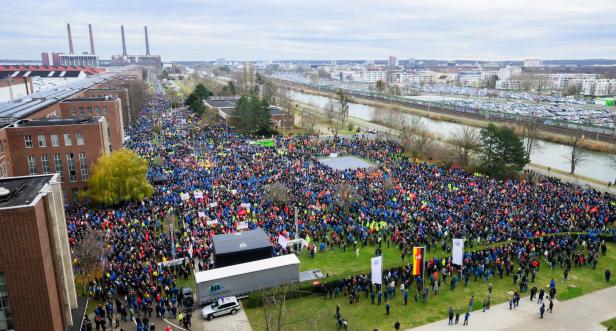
502, 152
254, 115
259, 79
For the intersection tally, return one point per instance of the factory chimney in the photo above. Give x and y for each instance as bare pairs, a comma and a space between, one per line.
123, 42
147, 42
70, 38
91, 40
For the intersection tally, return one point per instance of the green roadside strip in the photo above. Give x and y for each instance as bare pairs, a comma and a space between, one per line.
314, 312
610, 324
335, 260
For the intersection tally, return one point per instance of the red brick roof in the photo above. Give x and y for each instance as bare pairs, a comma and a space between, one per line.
87, 70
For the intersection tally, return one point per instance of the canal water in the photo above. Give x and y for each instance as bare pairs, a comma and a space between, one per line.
597, 165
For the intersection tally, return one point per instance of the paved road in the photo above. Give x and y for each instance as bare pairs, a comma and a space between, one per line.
237, 322
583, 313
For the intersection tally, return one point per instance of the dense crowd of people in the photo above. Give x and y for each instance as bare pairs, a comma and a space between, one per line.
211, 180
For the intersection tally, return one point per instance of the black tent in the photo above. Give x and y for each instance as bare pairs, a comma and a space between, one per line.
241, 247
159, 180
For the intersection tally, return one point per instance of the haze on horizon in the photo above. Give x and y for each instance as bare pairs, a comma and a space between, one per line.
316, 29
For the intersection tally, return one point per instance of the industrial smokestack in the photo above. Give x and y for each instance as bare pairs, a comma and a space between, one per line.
70, 38
91, 39
147, 42
123, 42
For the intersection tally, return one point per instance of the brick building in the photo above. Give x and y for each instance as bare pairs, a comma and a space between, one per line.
111, 90
108, 107
37, 287
65, 146
226, 110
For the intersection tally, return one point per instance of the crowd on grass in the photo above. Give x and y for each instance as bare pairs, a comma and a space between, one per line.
211, 180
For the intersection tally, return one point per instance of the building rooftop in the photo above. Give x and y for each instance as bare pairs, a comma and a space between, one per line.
223, 103
19, 191
27, 105
105, 98
240, 241
54, 122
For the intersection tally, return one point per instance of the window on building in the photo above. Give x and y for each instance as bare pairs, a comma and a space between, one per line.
64, 195
73, 111
105, 110
55, 142
70, 160
45, 164
1, 149
57, 160
42, 141
83, 162
81, 111
68, 140
90, 110
32, 165
98, 110
28, 140
74, 193
6, 316
79, 139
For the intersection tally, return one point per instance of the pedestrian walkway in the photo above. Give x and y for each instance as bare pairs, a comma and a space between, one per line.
571, 179
582, 313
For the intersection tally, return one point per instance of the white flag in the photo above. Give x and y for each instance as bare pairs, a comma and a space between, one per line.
198, 195
282, 241
201, 214
377, 269
242, 225
245, 205
212, 222
184, 196
458, 251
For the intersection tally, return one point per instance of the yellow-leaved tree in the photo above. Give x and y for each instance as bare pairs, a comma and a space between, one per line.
119, 176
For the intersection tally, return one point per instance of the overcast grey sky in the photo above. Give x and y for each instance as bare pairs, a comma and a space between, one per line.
316, 29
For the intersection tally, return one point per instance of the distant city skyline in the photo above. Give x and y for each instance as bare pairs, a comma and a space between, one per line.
316, 30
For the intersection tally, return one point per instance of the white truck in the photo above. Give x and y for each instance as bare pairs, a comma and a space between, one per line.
247, 277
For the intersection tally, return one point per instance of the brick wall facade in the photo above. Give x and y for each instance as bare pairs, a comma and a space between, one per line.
27, 263
86, 108
93, 147
111, 90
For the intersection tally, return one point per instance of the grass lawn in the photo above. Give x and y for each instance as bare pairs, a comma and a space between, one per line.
610, 324
314, 313
190, 282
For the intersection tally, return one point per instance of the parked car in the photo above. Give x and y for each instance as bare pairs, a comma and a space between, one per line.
372, 130
223, 306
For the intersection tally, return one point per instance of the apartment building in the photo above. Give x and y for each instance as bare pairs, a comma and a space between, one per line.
37, 286
44, 146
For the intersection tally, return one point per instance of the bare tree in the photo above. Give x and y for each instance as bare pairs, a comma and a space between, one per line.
276, 193
408, 127
345, 196
531, 129
309, 120
423, 138
578, 151
342, 111
88, 252
330, 111
389, 117
465, 140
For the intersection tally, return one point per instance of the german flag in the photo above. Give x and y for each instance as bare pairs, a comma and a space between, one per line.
418, 261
